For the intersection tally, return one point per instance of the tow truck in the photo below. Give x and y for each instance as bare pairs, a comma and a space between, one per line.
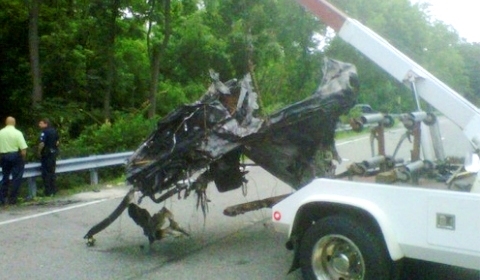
364, 222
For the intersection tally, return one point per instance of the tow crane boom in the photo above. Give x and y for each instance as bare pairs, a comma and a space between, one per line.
443, 98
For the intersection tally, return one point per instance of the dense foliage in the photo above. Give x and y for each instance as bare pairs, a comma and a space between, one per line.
105, 66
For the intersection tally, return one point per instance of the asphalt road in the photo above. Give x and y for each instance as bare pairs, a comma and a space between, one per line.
46, 241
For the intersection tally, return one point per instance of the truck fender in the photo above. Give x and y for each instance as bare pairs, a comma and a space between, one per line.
358, 205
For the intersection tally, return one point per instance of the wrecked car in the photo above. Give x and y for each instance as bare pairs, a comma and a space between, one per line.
204, 142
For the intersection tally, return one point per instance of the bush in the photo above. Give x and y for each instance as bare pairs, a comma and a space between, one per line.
124, 133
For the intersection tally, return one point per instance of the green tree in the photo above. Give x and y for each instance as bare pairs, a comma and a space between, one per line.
110, 57
432, 44
281, 57
33, 40
471, 55
160, 13
15, 79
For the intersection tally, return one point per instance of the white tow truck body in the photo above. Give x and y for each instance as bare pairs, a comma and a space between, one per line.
434, 225
327, 219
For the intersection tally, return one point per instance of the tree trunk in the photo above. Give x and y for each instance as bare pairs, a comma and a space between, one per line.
34, 42
154, 73
110, 75
156, 55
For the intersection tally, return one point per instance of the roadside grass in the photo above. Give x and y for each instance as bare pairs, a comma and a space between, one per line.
92, 188
63, 193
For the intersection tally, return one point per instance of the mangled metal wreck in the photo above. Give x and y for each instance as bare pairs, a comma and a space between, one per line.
204, 142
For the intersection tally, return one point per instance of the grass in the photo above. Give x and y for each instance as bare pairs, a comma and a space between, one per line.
64, 192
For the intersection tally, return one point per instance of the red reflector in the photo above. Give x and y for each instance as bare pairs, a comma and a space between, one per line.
277, 216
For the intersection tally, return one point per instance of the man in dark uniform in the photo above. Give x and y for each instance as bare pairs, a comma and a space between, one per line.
48, 151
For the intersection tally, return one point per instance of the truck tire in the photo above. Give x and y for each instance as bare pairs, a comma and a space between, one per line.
339, 247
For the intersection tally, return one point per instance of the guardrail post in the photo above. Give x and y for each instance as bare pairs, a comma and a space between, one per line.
93, 177
32, 187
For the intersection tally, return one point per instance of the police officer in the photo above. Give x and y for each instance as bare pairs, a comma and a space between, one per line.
13, 150
48, 151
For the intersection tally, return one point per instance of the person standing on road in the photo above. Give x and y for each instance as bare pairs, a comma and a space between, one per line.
13, 150
48, 151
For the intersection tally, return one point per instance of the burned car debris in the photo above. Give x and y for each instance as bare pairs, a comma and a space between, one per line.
204, 142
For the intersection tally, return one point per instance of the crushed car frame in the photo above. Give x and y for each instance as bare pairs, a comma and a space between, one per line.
204, 142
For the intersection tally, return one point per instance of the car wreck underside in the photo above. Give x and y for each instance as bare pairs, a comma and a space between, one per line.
207, 141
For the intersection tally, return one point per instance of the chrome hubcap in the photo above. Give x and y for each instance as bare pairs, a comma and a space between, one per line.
337, 257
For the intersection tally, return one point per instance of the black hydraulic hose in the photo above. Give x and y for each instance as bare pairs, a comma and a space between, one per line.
112, 217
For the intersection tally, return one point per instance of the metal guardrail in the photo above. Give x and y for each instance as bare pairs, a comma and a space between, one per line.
91, 163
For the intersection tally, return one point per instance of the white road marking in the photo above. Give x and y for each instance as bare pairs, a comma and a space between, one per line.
341, 143
51, 212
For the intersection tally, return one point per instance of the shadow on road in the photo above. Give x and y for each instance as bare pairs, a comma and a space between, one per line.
419, 270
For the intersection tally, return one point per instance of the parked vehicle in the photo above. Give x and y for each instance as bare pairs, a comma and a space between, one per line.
364, 108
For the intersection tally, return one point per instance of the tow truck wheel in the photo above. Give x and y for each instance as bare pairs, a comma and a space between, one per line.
339, 247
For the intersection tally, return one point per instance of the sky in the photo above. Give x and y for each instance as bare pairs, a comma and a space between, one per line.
461, 14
